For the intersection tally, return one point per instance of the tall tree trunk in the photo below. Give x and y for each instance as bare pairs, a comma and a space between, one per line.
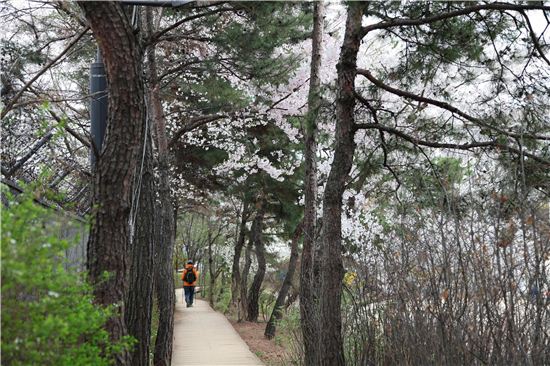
235, 271
139, 305
254, 291
164, 279
277, 312
223, 286
332, 272
243, 298
164, 284
308, 301
117, 162
211, 271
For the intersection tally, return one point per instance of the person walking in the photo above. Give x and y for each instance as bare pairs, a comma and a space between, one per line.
189, 276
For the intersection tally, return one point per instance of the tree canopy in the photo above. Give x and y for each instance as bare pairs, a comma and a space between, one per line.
394, 155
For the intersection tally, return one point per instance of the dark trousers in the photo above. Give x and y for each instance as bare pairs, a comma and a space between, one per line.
189, 294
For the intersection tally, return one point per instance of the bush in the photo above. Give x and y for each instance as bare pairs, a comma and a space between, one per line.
224, 298
267, 302
48, 317
289, 336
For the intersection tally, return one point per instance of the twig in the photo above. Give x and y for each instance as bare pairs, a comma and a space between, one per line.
10, 104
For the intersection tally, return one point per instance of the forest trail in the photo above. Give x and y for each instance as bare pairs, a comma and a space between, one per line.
205, 337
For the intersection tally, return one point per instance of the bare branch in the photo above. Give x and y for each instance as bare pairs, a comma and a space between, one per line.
442, 145
34, 149
534, 38
83, 140
287, 96
446, 106
10, 104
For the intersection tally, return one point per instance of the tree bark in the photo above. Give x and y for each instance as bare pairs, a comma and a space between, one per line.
211, 270
254, 291
139, 308
164, 279
117, 162
310, 331
139, 305
223, 286
164, 282
243, 299
235, 270
331, 268
277, 312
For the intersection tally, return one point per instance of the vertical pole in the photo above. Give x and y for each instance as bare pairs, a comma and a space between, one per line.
98, 105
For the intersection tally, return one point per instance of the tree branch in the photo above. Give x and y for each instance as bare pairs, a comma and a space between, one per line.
10, 104
194, 123
534, 37
272, 106
451, 14
446, 106
442, 145
159, 34
34, 149
374, 114
72, 132
179, 68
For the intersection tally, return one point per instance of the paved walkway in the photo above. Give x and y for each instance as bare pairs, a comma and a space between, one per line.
205, 337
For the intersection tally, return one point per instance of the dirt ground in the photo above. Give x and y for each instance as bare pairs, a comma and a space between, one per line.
268, 351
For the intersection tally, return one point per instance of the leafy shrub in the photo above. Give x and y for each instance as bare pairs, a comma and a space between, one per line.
224, 298
289, 336
267, 302
48, 317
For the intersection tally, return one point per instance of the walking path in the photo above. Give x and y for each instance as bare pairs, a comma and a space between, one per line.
205, 337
